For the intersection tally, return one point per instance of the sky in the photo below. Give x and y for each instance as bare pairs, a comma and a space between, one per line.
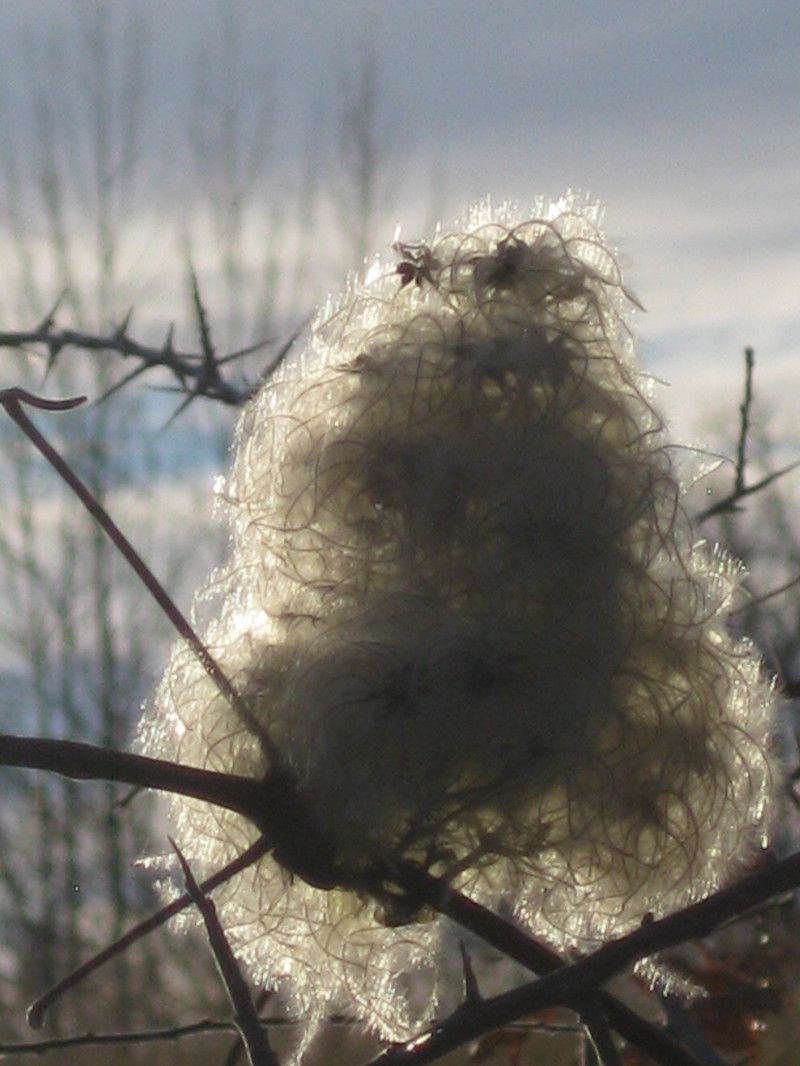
681, 118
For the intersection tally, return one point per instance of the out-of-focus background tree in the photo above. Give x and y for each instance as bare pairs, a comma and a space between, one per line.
88, 217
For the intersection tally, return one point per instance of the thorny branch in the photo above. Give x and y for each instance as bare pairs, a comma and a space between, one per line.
247, 796
577, 984
570, 985
197, 374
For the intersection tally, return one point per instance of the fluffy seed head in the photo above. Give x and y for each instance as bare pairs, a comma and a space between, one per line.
465, 605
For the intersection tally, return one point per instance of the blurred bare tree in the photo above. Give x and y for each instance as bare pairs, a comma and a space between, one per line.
364, 151
81, 648
77, 652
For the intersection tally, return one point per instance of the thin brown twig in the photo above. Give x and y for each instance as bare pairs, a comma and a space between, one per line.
233, 1056
210, 1025
756, 601
729, 502
86, 762
12, 400
740, 490
38, 1008
744, 420
254, 1038
140, 1036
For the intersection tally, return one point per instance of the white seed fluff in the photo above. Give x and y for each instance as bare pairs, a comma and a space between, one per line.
465, 605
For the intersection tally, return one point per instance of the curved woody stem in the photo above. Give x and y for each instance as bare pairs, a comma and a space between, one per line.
12, 400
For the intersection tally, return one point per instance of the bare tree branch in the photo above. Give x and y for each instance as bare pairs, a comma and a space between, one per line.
37, 1009
570, 985
254, 1038
741, 491
262, 803
197, 373
148, 1036
744, 419
85, 762
12, 401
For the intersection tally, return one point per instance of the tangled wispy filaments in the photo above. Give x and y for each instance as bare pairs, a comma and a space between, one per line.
465, 607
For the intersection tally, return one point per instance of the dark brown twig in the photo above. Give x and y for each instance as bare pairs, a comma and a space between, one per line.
233, 1056
756, 601
37, 1009
741, 491
744, 420
729, 502
147, 1036
254, 1037
511, 941
12, 400
86, 762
